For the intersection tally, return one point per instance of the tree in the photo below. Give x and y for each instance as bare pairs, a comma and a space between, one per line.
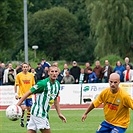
111, 26
54, 31
11, 23
79, 10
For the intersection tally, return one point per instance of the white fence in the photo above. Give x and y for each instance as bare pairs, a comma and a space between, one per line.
69, 93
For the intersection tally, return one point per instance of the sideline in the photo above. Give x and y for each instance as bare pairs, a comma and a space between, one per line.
63, 107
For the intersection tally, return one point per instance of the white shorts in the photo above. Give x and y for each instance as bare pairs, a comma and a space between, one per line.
37, 123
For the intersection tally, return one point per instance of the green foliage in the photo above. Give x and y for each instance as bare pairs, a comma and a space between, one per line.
111, 25
112, 60
82, 30
10, 23
63, 36
54, 31
11, 26
75, 36
4, 57
31, 55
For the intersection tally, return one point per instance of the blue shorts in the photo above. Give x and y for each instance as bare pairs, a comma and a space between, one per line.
27, 102
105, 127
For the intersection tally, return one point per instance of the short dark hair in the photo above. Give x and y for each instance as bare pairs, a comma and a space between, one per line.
90, 69
11, 70
25, 63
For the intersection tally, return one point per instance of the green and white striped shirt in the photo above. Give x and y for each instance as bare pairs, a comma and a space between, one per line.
46, 92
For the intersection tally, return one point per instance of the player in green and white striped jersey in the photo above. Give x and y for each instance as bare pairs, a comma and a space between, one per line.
46, 92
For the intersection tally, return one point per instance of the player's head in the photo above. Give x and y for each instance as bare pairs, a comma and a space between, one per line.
25, 67
53, 72
114, 81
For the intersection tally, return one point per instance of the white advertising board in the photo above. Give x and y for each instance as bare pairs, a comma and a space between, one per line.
69, 93
7, 95
91, 91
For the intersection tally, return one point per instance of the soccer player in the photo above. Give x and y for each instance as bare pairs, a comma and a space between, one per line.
24, 81
46, 92
117, 104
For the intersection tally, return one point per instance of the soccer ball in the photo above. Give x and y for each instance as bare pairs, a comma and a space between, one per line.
13, 112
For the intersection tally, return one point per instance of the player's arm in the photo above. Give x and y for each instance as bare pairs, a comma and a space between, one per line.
57, 107
16, 94
91, 106
27, 94
99, 100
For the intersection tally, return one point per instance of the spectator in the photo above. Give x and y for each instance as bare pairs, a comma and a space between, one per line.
99, 71
55, 64
127, 63
3, 65
45, 73
39, 72
75, 71
65, 69
11, 79
68, 79
119, 69
29, 67
1, 73
44, 63
6, 71
92, 78
81, 78
128, 74
60, 75
107, 70
18, 68
34, 74
87, 65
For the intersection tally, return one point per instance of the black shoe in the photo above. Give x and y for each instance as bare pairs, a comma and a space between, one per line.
21, 124
27, 123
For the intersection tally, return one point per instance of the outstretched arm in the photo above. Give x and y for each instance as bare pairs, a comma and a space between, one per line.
91, 106
57, 107
24, 97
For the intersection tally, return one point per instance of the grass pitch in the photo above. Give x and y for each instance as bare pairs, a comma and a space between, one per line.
73, 125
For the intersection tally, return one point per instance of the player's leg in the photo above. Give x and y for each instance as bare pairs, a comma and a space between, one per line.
118, 130
45, 130
23, 107
28, 115
104, 127
28, 103
42, 124
31, 131
31, 127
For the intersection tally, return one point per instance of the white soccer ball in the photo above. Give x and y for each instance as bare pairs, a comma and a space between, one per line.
13, 112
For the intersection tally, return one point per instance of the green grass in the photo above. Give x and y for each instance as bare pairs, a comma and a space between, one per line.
73, 125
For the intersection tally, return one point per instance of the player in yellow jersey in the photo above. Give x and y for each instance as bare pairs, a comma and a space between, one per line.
117, 104
24, 81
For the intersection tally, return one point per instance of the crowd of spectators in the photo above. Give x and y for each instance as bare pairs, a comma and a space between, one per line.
72, 75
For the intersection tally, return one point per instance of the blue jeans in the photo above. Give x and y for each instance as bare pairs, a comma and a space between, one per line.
105, 79
1, 82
